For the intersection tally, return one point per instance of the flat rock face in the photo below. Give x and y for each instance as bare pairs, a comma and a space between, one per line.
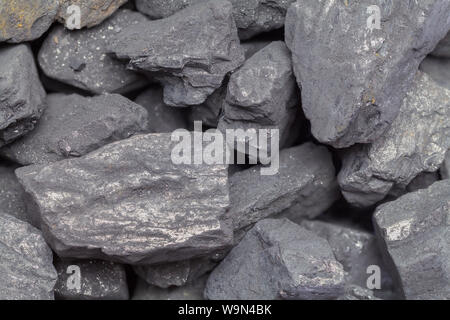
139, 206
438, 69
416, 142
443, 48
414, 232
26, 269
12, 199
189, 59
78, 57
98, 280
263, 94
22, 97
73, 125
305, 184
277, 259
354, 79
92, 12
191, 291
24, 20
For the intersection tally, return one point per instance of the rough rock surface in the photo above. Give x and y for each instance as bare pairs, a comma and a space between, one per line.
415, 143
22, 97
26, 269
277, 259
414, 232
445, 168
92, 12
191, 291
99, 280
438, 70
353, 78
443, 48
139, 206
73, 125
12, 199
189, 59
305, 184
78, 57
24, 20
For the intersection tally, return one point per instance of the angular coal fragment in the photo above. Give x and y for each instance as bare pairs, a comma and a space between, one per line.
12, 195
445, 168
304, 187
22, 97
416, 142
128, 202
189, 59
442, 50
92, 12
79, 58
26, 269
73, 125
277, 259
353, 76
438, 69
161, 118
90, 280
415, 236
24, 20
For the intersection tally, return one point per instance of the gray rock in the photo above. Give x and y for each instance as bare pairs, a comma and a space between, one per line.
445, 168
99, 280
438, 69
415, 143
192, 291
190, 59
304, 187
73, 125
140, 207
26, 269
210, 111
277, 259
161, 118
353, 79
92, 12
79, 58
443, 48
12, 195
24, 20
22, 97
415, 236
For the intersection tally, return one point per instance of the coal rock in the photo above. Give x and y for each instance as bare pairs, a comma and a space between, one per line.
140, 207
24, 20
73, 125
190, 59
79, 58
438, 70
416, 142
26, 269
443, 48
22, 97
415, 236
354, 78
12, 195
191, 291
277, 259
90, 280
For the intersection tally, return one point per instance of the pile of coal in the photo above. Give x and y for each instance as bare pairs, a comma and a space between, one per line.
224, 150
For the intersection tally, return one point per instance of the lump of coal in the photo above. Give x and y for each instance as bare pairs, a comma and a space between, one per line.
191, 291
79, 58
22, 97
128, 202
353, 77
277, 259
438, 70
414, 232
92, 12
190, 59
90, 280
73, 125
443, 48
25, 20
12, 199
26, 269
416, 142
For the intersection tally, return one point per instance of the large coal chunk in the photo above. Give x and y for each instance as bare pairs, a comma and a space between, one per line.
263, 94
22, 97
277, 259
191, 291
353, 77
26, 269
92, 12
12, 195
73, 125
416, 142
304, 187
190, 59
24, 20
90, 280
128, 202
414, 233
443, 48
79, 58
